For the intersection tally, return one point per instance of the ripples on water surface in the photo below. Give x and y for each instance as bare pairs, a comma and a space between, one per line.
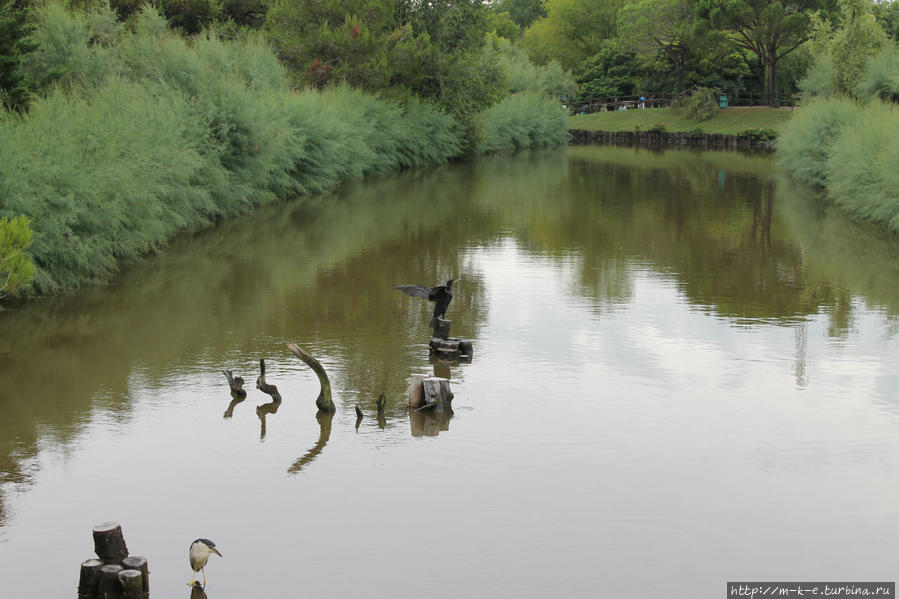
685, 373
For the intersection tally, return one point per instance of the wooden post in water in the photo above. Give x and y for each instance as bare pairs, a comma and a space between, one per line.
430, 393
442, 328
109, 544
131, 583
139, 563
110, 587
121, 576
444, 346
89, 580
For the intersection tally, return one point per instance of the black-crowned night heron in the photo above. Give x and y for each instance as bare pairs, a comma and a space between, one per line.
200, 550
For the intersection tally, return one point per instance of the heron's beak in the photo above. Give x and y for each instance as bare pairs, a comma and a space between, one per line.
216, 551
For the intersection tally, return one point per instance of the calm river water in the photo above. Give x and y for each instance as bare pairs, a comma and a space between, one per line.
685, 372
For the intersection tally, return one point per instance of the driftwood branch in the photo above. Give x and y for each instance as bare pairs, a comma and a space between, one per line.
265, 387
236, 384
324, 402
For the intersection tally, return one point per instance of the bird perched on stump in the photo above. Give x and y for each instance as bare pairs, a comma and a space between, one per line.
200, 550
441, 295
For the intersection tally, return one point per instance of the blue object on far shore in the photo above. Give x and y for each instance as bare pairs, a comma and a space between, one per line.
723, 100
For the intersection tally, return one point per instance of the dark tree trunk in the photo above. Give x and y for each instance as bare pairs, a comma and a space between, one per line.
772, 78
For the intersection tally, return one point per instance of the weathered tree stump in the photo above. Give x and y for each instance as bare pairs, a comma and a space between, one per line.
109, 543
430, 393
323, 401
131, 583
89, 580
466, 347
382, 410
265, 387
416, 390
236, 384
139, 563
110, 587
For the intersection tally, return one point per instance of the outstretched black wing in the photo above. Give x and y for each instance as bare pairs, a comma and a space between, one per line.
415, 290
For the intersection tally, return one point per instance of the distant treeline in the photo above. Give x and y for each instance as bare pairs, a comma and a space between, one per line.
845, 137
130, 132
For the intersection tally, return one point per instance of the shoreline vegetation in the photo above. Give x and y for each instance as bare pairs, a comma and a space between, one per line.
142, 133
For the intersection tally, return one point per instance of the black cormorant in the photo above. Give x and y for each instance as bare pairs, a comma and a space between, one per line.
442, 295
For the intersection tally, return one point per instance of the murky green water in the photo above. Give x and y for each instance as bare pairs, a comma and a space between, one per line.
685, 373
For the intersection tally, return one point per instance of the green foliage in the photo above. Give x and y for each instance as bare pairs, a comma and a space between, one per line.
608, 73
524, 120
14, 46
818, 81
859, 38
62, 48
658, 128
16, 267
433, 50
762, 134
769, 29
700, 105
806, 142
863, 169
887, 15
572, 31
328, 42
520, 74
696, 132
522, 12
881, 77
503, 26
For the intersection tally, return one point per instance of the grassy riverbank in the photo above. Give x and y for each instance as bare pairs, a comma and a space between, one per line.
729, 121
142, 134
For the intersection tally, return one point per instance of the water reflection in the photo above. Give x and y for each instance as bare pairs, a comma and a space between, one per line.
235, 399
613, 235
197, 592
429, 424
324, 422
263, 411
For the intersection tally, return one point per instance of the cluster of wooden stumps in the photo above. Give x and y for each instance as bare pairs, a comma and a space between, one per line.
115, 575
444, 346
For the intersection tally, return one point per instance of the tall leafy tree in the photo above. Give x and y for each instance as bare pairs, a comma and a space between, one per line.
660, 27
14, 45
572, 31
523, 12
771, 29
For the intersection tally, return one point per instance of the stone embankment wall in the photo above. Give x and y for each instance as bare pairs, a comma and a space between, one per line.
657, 139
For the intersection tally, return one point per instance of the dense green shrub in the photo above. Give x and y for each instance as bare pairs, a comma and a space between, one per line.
881, 78
806, 141
523, 75
525, 120
759, 133
863, 168
16, 267
143, 133
700, 105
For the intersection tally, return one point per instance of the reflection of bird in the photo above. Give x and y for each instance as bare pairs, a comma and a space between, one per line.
442, 295
200, 550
